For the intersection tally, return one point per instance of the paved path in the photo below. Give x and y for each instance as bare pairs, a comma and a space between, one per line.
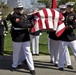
42, 67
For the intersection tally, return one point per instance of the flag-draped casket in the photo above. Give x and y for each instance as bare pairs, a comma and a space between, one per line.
48, 19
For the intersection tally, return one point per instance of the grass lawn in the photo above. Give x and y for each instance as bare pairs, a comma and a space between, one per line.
8, 44
42, 44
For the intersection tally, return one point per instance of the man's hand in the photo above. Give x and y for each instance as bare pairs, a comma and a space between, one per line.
70, 26
6, 32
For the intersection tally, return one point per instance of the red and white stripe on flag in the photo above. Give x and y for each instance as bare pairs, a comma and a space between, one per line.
54, 4
49, 19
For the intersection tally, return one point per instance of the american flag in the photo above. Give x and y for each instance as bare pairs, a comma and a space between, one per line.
47, 19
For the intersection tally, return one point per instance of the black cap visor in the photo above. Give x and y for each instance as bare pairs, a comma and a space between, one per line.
71, 6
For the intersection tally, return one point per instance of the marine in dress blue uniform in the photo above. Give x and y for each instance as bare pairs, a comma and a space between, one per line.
68, 37
3, 27
54, 47
67, 54
22, 56
35, 42
20, 37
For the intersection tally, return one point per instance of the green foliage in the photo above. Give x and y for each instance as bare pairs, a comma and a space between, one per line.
5, 9
65, 1
43, 0
46, 2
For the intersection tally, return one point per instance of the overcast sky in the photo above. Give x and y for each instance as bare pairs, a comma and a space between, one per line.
26, 3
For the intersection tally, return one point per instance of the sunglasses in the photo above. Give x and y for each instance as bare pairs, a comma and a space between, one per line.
20, 8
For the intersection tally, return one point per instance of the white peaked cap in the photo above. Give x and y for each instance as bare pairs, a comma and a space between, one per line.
70, 3
18, 5
62, 6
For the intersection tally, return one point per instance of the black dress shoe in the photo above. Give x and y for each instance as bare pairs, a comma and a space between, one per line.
61, 69
24, 61
19, 66
13, 69
37, 54
1, 54
32, 72
51, 61
56, 65
69, 67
